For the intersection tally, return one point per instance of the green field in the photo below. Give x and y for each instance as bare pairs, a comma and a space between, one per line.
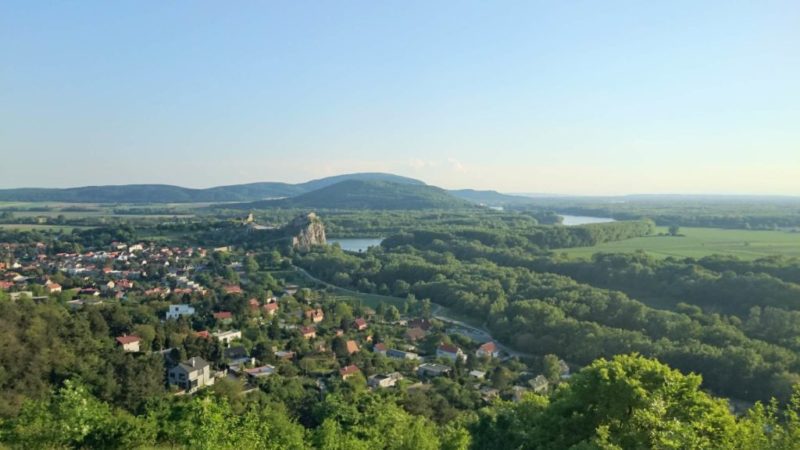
30, 227
699, 242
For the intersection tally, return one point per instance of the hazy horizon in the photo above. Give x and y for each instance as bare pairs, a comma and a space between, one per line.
608, 98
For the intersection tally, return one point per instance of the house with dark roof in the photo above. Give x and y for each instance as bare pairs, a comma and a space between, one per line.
191, 375
399, 354
384, 381
432, 370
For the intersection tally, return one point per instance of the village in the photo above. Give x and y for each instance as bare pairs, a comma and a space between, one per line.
216, 317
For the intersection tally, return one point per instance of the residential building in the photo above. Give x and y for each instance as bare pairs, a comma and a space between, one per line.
226, 337
450, 352
315, 315
191, 375
380, 348
349, 371
399, 354
488, 349
271, 309
129, 343
260, 372
384, 381
352, 347
477, 374
223, 317
180, 310
432, 370
360, 324
308, 332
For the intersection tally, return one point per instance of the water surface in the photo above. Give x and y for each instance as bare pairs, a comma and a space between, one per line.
584, 220
356, 244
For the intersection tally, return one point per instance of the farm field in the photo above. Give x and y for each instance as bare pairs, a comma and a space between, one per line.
30, 227
700, 242
82, 210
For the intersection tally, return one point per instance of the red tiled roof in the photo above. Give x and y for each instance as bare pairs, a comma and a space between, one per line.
202, 334
233, 289
123, 340
349, 370
489, 347
448, 348
223, 315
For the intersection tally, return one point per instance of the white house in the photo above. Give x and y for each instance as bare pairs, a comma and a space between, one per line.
450, 352
191, 375
129, 343
176, 311
226, 337
384, 381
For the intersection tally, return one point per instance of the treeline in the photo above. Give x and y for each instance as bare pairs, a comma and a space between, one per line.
627, 402
529, 239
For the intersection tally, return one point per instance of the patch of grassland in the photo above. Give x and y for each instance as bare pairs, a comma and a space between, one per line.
700, 242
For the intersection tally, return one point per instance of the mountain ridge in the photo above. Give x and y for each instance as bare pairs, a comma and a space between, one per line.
166, 193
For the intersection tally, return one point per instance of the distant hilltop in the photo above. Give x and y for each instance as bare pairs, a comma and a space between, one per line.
380, 191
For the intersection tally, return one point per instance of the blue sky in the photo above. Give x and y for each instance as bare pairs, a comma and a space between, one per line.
560, 97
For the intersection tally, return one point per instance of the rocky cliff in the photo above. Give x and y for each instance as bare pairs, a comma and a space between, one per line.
308, 231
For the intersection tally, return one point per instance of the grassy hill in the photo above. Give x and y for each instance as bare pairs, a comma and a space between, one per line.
162, 193
370, 194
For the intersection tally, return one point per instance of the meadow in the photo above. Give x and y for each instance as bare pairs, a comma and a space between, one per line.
699, 242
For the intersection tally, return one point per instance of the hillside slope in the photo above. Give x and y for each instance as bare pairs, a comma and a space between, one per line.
372, 194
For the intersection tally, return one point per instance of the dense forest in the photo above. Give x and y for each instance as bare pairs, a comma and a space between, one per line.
737, 327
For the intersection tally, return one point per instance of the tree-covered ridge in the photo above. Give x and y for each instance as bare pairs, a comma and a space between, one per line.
370, 195
160, 193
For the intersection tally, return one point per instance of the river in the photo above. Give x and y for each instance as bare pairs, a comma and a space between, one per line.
356, 244
583, 220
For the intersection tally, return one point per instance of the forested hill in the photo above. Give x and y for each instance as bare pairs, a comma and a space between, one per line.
161, 193
369, 194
